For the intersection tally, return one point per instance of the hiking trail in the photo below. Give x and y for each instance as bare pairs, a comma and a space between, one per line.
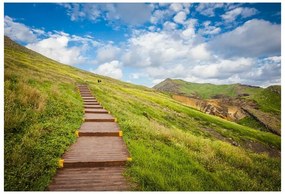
96, 161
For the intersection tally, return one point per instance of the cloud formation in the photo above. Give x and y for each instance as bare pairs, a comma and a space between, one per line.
56, 47
208, 9
111, 69
128, 13
172, 43
255, 38
243, 12
18, 31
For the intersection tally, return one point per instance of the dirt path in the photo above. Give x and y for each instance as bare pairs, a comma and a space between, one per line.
96, 161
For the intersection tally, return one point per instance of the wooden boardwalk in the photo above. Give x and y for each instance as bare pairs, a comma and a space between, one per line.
96, 161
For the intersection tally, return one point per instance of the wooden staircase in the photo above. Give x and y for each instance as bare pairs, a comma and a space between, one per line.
96, 161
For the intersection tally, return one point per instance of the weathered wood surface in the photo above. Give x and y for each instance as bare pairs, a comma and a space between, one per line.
90, 179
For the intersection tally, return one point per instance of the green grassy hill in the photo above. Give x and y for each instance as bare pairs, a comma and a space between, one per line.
203, 91
268, 99
173, 146
265, 100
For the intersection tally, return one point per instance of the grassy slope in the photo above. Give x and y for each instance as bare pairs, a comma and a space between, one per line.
268, 100
170, 150
204, 91
207, 91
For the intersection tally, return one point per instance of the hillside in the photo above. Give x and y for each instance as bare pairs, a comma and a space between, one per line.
249, 105
173, 147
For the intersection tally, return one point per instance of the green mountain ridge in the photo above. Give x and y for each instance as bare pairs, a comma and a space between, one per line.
208, 90
174, 147
255, 106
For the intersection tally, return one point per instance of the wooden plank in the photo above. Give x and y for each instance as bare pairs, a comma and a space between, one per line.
96, 151
92, 106
91, 103
99, 129
96, 111
88, 98
86, 95
84, 89
97, 117
90, 179
91, 100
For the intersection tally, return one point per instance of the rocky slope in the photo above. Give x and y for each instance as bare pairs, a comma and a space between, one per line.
234, 102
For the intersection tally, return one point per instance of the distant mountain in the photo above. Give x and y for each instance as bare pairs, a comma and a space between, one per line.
250, 105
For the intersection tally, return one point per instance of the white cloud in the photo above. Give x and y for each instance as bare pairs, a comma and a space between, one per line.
200, 52
19, 32
267, 71
56, 47
211, 30
208, 9
169, 26
160, 16
208, 29
166, 13
188, 33
244, 12
176, 7
135, 76
128, 13
180, 17
178, 53
155, 49
134, 13
222, 68
255, 38
250, 71
111, 69
80, 11
152, 28
156, 81
107, 53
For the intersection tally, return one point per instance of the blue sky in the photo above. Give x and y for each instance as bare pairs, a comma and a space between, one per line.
145, 43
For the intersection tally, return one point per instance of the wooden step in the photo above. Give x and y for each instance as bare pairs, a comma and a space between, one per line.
99, 129
96, 110
90, 179
84, 101
91, 103
92, 106
97, 117
86, 95
96, 151
88, 98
